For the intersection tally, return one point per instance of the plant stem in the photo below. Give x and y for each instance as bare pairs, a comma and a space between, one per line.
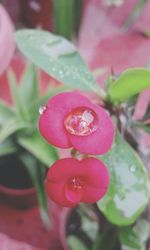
107, 239
78, 12
63, 16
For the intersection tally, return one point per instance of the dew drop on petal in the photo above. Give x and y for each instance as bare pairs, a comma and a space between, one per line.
82, 121
42, 109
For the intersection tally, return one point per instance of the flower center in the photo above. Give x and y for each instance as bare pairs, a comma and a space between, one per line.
81, 121
74, 189
76, 183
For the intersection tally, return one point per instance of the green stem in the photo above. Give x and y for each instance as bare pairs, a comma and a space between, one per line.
107, 239
63, 17
78, 6
107, 236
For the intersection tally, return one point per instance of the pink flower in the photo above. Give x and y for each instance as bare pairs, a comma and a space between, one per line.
71, 120
7, 43
70, 181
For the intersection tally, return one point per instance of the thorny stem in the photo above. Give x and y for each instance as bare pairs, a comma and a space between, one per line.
77, 154
73, 152
117, 111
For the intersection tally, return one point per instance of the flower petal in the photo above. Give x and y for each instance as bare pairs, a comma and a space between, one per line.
98, 142
51, 123
96, 173
70, 181
97, 180
92, 195
7, 41
73, 195
65, 169
56, 193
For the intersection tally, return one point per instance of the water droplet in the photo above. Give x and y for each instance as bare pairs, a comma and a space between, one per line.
81, 121
56, 47
35, 6
133, 168
61, 72
53, 69
122, 193
42, 109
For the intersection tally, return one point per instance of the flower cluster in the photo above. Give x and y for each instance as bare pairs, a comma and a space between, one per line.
70, 120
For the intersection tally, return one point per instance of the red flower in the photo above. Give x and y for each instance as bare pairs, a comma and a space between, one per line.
70, 181
71, 120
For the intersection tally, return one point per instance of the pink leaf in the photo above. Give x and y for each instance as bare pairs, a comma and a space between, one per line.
7, 43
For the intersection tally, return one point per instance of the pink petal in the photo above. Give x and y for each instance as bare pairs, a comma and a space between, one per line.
100, 22
121, 52
97, 180
73, 195
94, 181
98, 142
92, 195
51, 123
65, 169
56, 193
99, 18
7, 43
17, 65
97, 175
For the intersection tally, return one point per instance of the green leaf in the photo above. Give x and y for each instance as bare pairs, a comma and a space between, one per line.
78, 6
29, 85
129, 189
134, 238
17, 100
63, 17
36, 145
10, 128
42, 100
107, 232
131, 82
129, 239
142, 229
58, 57
75, 243
90, 227
5, 112
37, 176
7, 147
89, 223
